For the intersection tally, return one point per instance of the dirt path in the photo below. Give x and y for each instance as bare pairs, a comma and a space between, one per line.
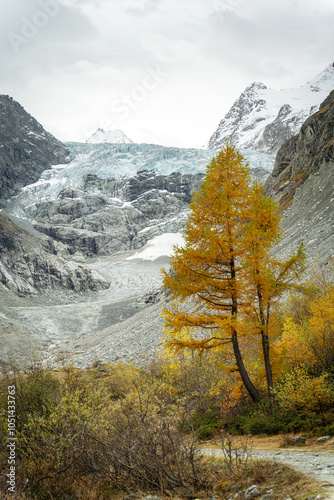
319, 464
315, 463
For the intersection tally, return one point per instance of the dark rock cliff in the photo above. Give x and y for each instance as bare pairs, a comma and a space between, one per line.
28, 263
26, 149
303, 155
302, 183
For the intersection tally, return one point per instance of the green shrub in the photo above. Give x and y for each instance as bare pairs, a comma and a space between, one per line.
265, 424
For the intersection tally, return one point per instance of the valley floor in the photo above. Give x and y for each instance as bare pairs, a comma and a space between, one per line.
119, 323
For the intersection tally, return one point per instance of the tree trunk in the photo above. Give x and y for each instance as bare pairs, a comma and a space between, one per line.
264, 323
252, 391
269, 374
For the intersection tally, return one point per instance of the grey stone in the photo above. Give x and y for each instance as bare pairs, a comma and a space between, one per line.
152, 497
323, 439
268, 496
252, 492
298, 440
102, 368
27, 265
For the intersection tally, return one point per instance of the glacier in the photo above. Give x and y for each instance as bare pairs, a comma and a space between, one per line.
121, 161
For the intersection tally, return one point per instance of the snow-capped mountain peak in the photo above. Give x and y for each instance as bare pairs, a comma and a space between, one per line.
108, 136
262, 119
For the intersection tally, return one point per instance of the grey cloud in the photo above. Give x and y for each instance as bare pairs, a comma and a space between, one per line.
103, 47
287, 37
143, 7
29, 46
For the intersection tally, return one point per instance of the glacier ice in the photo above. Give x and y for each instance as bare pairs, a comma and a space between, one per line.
120, 161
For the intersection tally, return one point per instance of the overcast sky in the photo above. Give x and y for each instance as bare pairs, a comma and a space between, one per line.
163, 71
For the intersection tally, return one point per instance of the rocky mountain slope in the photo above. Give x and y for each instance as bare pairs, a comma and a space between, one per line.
29, 264
262, 119
111, 136
26, 149
302, 183
106, 216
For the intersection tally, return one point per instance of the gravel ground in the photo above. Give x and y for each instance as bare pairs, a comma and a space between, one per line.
111, 325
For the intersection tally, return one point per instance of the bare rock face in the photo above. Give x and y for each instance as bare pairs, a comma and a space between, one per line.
303, 155
26, 149
28, 264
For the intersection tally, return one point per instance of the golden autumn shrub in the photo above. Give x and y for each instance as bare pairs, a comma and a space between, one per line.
305, 398
308, 333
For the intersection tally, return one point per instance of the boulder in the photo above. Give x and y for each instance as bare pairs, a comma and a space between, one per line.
323, 439
298, 440
252, 492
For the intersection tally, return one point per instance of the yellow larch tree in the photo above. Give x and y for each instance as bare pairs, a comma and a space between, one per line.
223, 273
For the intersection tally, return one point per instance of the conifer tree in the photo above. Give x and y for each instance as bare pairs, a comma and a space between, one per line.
267, 278
224, 273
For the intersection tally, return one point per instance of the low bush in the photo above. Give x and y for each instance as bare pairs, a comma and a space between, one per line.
75, 435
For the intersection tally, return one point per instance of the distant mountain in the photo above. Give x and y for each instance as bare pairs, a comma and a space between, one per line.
26, 149
262, 119
111, 136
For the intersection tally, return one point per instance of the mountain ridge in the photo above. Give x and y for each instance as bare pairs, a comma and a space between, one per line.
262, 119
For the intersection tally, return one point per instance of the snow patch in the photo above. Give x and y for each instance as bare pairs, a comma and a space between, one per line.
159, 246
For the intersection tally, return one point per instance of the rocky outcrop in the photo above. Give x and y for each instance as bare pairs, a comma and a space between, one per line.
262, 119
26, 149
28, 264
303, 155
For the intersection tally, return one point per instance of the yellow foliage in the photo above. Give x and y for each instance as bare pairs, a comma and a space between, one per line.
310, 340
306, 395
